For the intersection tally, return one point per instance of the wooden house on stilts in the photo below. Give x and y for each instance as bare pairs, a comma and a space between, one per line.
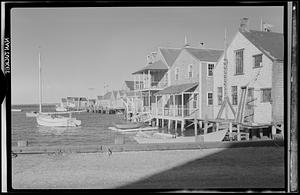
248, 82
189, 95
152, 78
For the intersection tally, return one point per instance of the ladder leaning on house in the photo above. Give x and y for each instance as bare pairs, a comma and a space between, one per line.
242, 104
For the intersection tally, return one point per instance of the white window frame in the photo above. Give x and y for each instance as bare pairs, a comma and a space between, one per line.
237, 97
262, 95
195, 100
190, 70
212, 69
241, 61
222, 94
176, 73
254, 56
211, 98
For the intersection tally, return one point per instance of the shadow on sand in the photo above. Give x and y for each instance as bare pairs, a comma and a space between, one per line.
243, 168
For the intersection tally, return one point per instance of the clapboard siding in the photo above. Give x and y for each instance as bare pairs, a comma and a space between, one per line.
258, 78
277, 92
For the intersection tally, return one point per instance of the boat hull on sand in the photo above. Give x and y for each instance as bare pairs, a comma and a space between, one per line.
133, 130
31, 114
154, 137
128, 125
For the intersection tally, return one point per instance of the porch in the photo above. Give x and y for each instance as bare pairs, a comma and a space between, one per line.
151, 77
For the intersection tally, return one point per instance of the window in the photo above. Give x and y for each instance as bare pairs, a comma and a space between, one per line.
266, 95
257, 60
210, 68
239, 55
220, 95
166, 79
195, 101
190, 71
176, 74
209, 98
234, 95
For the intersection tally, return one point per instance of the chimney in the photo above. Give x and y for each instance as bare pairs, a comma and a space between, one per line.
149, 59
154, 55
244, 24
186, 44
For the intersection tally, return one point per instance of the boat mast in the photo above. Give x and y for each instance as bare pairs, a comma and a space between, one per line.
225, 74
40, 83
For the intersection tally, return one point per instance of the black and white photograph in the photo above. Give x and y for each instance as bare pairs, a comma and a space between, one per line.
161, 98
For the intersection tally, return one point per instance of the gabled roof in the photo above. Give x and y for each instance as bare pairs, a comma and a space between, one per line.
170, 55
122, 92
158, 65
107, 96
209, 55
82, 99
130, 84
177, 89
270, 43
115, 93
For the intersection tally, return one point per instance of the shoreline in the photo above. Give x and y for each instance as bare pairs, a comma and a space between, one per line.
145, 147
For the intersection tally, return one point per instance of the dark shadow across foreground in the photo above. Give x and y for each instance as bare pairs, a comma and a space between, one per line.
246, 168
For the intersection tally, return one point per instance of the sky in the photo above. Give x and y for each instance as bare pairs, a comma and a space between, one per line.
85, 49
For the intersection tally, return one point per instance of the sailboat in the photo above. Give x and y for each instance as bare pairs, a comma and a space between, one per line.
53, 119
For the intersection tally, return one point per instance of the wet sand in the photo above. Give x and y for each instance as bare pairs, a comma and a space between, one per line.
252, 167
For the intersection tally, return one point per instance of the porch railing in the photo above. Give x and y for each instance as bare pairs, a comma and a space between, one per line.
152, 85
175, 111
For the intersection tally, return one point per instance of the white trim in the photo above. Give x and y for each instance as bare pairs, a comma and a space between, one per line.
190, 70
208, 69
211, 97
200, 91
177, 68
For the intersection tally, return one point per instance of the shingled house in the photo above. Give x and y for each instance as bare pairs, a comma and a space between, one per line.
153, 77
255, 63
189, 94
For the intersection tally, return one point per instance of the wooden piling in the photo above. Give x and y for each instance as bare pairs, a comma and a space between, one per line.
195, 127
176, 127
238, 132
182, 126
205, 127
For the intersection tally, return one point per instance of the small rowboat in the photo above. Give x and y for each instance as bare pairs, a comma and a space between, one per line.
16, 110
128, 125
31, 114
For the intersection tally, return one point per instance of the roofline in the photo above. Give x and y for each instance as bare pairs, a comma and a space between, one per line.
221, 56
203, 48
204, 60
265, 53
159, 49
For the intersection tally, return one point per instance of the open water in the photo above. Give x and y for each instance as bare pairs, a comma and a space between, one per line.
93, 130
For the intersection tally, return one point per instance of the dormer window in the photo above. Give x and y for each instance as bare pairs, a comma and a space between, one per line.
257, 60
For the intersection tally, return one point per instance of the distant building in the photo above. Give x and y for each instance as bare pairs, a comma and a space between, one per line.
112, 100
128, 86
76, 102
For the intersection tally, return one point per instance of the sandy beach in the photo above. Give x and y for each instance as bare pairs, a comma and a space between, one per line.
220, 168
